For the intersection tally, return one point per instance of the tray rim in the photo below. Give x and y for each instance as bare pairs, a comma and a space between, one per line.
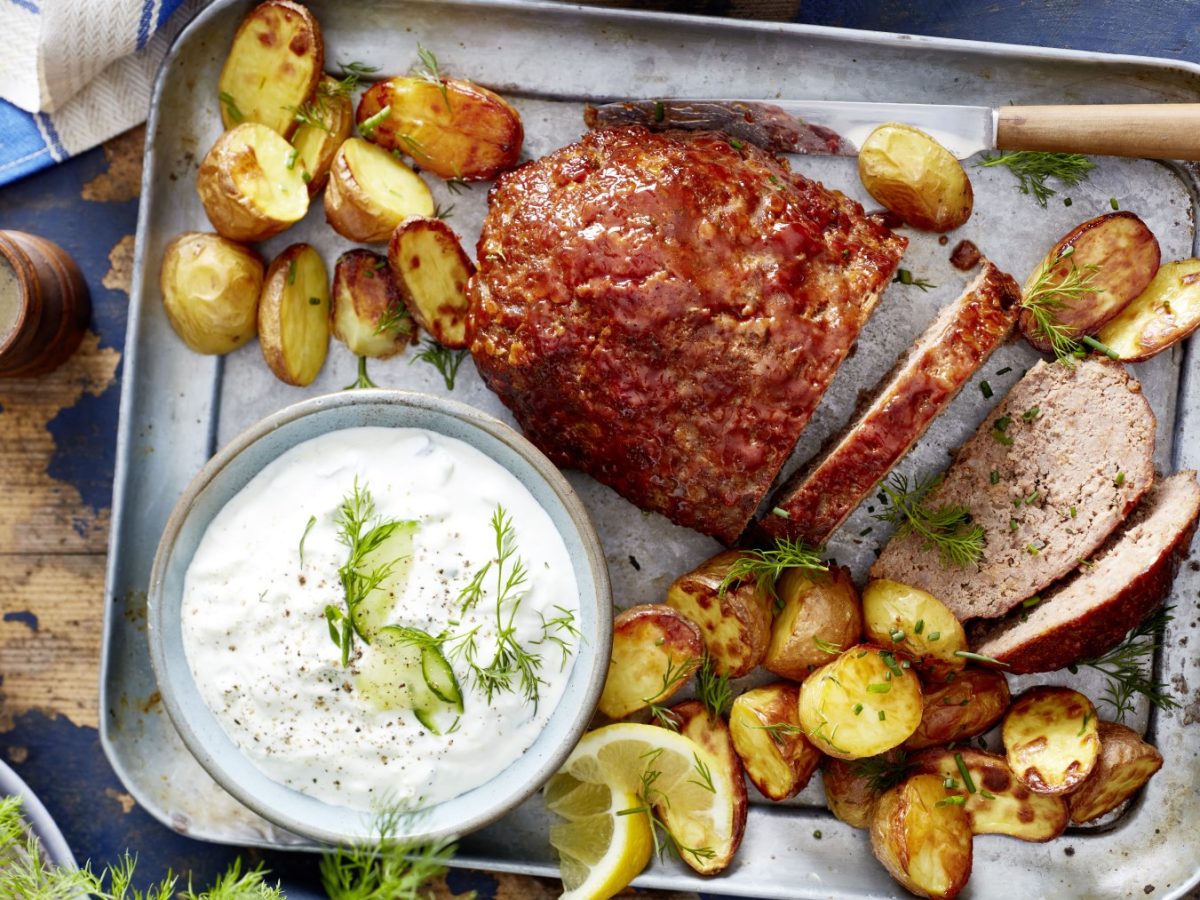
849, 36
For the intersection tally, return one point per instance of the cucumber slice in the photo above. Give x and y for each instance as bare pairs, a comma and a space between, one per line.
439, 677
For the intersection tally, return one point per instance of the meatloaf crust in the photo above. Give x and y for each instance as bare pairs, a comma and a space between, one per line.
664, 312
1091, 611
820, 496
1049, 475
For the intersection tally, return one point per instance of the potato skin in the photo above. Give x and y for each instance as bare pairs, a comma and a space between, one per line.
915, 177
850, 793
432, 270
779, 763
966, 706
1126, 763
352, 205
1051, 739
647, 640
364, 295
210, 290
736, 626
710, 732
815, 608
315, 146
1166, 312
453, 128
294, 332
242, 157
924, 846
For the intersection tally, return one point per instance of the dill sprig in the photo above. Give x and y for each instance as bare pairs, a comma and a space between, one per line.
392, 869
883, 772
397, 320
1048, 294
363, 380
314, 112
1129, 668
362, 532
904, 276
672, 679
779, 731
713, 690
442, 358
231, 107
958, 540
1032, 168
429, 70
238, 885
765, 566
560, 630
650, 796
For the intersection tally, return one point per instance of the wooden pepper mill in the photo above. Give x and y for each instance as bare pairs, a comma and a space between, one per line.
44, 305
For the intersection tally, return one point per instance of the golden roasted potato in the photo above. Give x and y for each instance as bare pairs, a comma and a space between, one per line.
1125, 255
1126, 763
767, 736
273, 66
293, 315
451, 127
655, 651
962, 705
1166, 312
735, 625
369, 315
915, 177
1051, 739
432, 269
850, 792
249, 191
913, 623
922, 835
999, 803
863, 703
210, 290
370, 192
316, 145
821, 617
693, 721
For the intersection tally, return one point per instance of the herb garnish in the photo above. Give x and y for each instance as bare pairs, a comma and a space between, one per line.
883, 772
393, 869
672, 678
230, 106
315, 112
780, 730
397, 320
363, 380
429, 70
650, 796
559, 630
442, 358
312, 520
904, 276
1129, 668
958, 540
1032, 168
713, 690
765, 566
368, 126
1048, 294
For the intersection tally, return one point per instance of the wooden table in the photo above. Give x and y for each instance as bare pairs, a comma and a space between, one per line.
57, 441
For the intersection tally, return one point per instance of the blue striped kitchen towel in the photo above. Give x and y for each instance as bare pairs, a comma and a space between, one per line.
74, 73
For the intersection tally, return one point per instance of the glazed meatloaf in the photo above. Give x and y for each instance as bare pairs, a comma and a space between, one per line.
815, 501
1050, 473
1091, 611
664, 311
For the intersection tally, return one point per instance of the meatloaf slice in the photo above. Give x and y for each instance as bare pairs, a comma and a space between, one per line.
664, 312
1054, 468
819, 497
1090, 612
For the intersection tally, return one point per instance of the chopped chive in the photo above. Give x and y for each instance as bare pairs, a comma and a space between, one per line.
979, 657
660, 111
964, 772
878, 688
1069, 250
1073, 511
1013, 524
935, 635
919, 626
866, 531
1004, 371
1099, 347
1032, 601
897, 636
1031, 550
994, 477
367, 128
1120, 479
1002, 423
882, 716
986, 390
986, 795
904, 276
1112, 201
306, 176
1067, 201
736, 144
291, 279
949, 784
1032, 413
858, 708
291, 158
956, 800
781, 512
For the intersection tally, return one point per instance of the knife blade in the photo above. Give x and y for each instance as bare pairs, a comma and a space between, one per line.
835, 127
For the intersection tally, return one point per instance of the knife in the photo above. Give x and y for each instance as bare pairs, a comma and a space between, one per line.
833, 127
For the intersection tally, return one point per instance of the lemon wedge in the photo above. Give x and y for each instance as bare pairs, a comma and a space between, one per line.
604, 792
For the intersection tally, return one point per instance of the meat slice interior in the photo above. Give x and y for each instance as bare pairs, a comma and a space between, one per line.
665, 311
1090, 612
818, 499
1055, 467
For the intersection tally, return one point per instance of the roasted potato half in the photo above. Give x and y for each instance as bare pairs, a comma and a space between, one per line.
915, 177
1051, 739
369, 315
273, 67
735, 625
922, 836
432, 269
693, 721
1126, 763
370, 192
861, 704
821, 616
1116, 253
293, 315
249, 190
767, 736
210, 290
451, 127
316, 144
655, 651
996, 802
913, 623
965, 704
1166, 312
850, 791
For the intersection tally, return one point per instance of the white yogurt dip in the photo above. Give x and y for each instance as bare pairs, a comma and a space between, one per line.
258, 642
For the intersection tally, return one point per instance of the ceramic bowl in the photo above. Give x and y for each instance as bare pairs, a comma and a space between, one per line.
230, 470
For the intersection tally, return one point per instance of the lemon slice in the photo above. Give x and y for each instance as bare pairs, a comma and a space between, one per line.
618, 769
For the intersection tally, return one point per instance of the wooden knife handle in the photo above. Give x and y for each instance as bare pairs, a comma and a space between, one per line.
1155, 131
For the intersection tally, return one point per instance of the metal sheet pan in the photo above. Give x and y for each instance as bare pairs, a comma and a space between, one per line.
176, 407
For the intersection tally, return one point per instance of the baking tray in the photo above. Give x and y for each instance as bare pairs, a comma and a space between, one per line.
177, 407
